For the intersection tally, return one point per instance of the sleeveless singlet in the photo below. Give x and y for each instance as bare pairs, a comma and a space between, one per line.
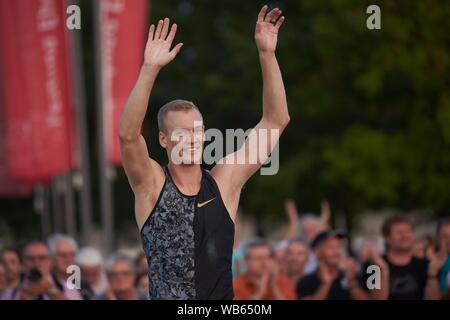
188, 242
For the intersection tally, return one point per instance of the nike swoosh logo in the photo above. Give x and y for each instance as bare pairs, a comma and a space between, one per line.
201, 204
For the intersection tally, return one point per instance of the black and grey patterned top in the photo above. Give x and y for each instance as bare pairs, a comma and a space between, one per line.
188, 241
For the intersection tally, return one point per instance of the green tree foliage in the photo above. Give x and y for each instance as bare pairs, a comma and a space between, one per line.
370, 108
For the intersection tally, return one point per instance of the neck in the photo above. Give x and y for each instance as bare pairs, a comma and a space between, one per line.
294, 276
14, 283
62, 276
399, 257
186, 177
127, 295
253, 278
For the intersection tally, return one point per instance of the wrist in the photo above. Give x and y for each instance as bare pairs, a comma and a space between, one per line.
150, 68
266, 54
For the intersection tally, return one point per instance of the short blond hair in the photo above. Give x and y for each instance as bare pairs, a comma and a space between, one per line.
175, 105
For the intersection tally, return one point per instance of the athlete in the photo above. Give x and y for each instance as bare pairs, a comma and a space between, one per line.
185, 213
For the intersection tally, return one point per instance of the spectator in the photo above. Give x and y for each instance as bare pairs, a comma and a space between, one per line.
297, 255
422, 247
279, 254
121, 276
365, 251
336, 277
142, 284
408, 277
141, 263
63, 250
94, 282
3, 282
38, 284
443, 235
310, 226
13, 267
263, 280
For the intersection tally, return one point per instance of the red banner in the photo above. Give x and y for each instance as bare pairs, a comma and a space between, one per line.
38, 103
123, 29
9, 187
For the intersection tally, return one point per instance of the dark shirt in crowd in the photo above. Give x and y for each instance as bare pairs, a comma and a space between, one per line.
309, 285
407, 282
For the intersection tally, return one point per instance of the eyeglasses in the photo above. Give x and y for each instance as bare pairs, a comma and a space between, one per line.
65, 254
120, 273
37, 258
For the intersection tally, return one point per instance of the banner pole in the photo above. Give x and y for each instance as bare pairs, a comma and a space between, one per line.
105, 183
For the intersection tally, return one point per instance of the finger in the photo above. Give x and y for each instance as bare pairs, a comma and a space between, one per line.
158, 29
176, 50
172, 33
279, 22
270, 16
165, 28
262, 13
151, 32
276, 15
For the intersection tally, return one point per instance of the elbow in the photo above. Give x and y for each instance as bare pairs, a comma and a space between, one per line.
284, 121
287, 120
125, 136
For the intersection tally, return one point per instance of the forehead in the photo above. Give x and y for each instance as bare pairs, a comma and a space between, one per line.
402, 226
121, 264
297, 246
259, 250
332, 241
37, 248
64, 245
188, 118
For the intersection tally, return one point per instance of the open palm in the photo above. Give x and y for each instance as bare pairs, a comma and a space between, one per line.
267, 26
157, 50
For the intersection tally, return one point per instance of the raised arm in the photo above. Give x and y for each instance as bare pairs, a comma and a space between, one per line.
237, 168
140, 169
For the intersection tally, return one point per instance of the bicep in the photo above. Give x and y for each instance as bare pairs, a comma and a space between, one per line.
240, 165
140, 169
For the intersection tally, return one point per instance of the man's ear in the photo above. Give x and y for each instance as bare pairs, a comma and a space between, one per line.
162, 140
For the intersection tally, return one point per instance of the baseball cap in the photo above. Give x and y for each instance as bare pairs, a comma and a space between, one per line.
324, 235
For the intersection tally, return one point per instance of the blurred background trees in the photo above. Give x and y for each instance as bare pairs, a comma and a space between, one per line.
370, 109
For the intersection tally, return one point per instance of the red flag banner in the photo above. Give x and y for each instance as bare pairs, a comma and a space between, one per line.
123, 32
38, 103
9, 187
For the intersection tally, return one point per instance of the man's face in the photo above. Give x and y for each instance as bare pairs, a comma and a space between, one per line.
12, 264
91, 274
330, 251
280, 257
121, 277
64, 255
310, 229
37, 256
444, 235
296, 256
185, 136
258, 260
401, 237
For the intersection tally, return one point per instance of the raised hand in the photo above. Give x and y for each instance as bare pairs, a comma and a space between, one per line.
267, 26
438, 259
157, 50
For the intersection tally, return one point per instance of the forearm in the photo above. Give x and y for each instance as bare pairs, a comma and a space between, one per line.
432, 291
275, 107
136, 105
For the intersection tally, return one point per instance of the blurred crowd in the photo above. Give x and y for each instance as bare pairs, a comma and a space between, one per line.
311, 262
